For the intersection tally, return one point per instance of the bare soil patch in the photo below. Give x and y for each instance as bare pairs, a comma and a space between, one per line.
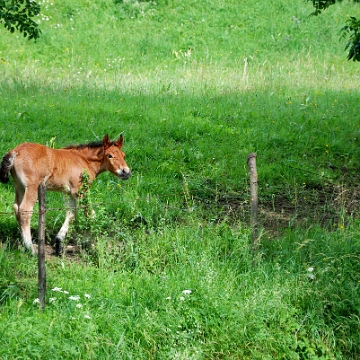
329, 206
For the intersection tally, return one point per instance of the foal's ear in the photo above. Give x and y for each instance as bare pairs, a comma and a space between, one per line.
119, 143
106, 141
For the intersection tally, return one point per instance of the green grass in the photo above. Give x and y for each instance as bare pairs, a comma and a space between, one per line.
138, 309
195, 87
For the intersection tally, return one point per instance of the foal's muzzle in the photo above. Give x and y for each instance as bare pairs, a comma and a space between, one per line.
124, 174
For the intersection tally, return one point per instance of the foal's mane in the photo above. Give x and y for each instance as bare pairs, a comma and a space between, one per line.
90, 145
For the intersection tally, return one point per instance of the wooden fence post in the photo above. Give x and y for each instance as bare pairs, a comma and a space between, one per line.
254, 199
41, 246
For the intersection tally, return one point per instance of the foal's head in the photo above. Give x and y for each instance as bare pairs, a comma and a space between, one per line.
114, 158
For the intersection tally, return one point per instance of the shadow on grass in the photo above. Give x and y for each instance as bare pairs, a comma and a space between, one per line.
330, 206
206, 139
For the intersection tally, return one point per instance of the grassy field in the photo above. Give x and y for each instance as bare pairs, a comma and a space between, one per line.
195, 87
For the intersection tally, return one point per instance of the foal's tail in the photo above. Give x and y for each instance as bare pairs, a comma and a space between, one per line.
6, 164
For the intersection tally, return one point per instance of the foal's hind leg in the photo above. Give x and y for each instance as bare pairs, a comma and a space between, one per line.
19, 195
70, 215
24, 204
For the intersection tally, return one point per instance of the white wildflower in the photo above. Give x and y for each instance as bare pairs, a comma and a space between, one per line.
88, 296
182, 298
79, 306
310, 274
36, 301
186, 292
168, 298
87, 316
57, 289
74, 297
52, 299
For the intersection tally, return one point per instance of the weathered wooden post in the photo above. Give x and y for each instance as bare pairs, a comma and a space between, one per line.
254, 199
41, 246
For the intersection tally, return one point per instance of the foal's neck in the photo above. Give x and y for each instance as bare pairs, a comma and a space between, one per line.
95, 160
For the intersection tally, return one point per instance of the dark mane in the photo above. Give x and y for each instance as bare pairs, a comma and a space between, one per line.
91, 145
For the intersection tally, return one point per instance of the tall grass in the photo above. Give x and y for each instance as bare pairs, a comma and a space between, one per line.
191, 292
194, 87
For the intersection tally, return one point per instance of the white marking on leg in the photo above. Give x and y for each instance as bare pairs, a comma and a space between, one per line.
24, 212
24, 217
26, 235
70, 216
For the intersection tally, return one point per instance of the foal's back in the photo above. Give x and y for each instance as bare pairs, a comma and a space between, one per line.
59, 169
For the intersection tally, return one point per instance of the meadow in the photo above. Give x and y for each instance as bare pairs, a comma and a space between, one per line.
194, 87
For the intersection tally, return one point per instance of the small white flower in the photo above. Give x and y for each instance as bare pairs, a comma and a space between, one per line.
52, 299
182, 298
74, 297
57, 289
310, 269
88, 296
186, 292
66, 292
311, 276
168, 298
36, 301
87, 317
79, 306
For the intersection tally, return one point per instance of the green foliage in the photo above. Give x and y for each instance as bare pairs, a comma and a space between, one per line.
352, 27
18, 14
83, 224
321, 5
354, 44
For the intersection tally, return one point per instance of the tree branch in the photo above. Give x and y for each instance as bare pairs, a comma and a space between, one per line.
18, 14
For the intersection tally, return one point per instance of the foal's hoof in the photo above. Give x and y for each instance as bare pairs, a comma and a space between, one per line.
32, 251
59, 250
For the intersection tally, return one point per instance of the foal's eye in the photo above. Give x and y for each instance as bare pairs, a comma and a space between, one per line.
109, 156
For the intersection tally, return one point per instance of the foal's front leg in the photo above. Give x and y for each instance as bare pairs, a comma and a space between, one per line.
70, 202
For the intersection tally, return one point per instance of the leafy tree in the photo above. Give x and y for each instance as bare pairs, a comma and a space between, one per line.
351, 29
18, 14
320, 5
